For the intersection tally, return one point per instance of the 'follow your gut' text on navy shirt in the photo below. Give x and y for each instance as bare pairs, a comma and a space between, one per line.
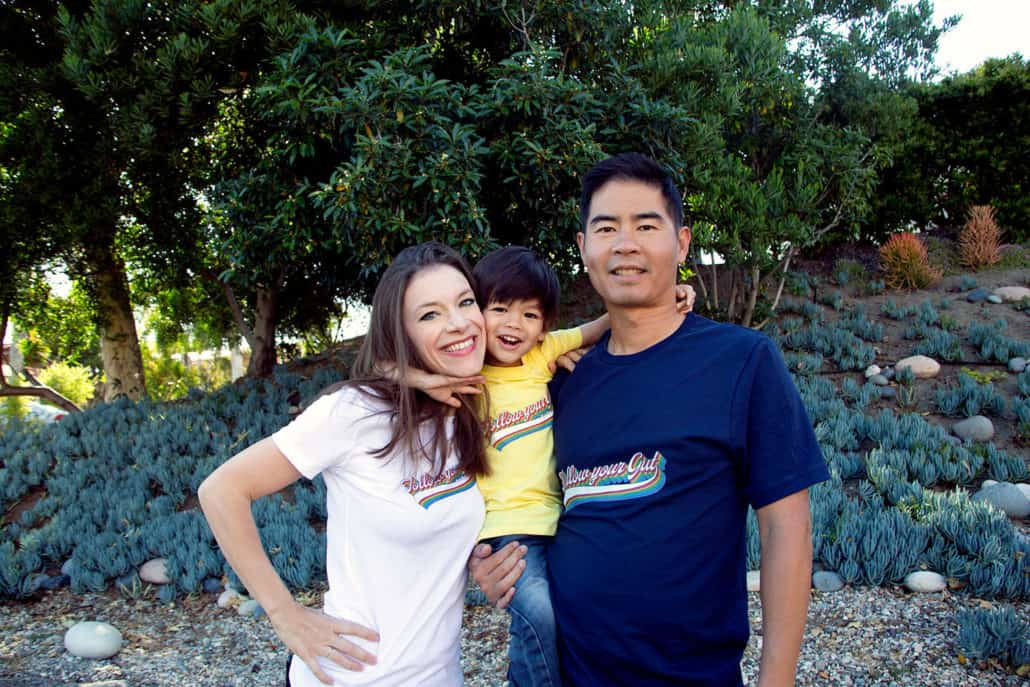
659, 454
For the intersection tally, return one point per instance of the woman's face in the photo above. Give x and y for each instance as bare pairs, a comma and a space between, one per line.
443, 320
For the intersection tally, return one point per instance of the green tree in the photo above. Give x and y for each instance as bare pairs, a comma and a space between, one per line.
803, 100
63, 324
966, 148
104, 103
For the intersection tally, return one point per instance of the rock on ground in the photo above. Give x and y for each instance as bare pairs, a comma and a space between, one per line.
1012, 294
91, 639
1006, 497
926, 582
923, 367
976, 428
155, 571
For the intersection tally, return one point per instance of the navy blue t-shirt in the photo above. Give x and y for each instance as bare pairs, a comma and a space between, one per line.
659, 454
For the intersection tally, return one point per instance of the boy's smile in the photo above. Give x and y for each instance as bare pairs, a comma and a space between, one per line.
512, 329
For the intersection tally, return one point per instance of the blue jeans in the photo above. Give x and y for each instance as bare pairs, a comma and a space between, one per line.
533, 640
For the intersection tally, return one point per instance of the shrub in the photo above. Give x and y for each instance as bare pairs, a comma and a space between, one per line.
1021, 406
834, 299
992, 344
848, 271
168, 378
73, 382
875, 288
994, 633
906, 264
13, 407
935, 342
970, 398
980, 238
895, 311
967, 283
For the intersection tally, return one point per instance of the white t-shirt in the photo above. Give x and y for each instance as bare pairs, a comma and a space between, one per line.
398, 539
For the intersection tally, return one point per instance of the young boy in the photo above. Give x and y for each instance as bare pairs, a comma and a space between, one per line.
519, 295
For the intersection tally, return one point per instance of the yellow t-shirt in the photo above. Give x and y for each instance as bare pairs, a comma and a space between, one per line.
521, 492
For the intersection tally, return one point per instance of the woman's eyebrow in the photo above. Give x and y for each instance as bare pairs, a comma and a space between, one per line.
428, 304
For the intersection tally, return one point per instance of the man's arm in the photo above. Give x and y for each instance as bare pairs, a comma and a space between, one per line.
785, 530
497, 572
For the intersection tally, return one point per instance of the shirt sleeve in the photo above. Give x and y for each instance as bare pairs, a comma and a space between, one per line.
322, 436
557, 343
781, 455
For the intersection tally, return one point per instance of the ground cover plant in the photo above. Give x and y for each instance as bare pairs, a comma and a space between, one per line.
101, 492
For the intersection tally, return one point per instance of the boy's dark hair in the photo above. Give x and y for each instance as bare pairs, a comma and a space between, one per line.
516, 273
631, 167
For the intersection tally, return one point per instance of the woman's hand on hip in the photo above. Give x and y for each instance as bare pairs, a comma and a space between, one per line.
311, 634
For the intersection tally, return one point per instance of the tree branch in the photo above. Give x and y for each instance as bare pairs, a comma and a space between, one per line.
43, 392
779, 289
38, 391
235, 309
701, 282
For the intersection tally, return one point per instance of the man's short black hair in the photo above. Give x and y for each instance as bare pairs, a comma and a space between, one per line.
516, 273
631, 167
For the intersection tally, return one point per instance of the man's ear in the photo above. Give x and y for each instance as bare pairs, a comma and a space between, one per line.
580, 239
683, 237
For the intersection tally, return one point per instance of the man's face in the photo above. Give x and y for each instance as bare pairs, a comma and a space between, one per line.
631, 247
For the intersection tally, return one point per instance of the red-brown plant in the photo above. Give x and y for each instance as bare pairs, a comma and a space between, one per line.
906, 263
980, 239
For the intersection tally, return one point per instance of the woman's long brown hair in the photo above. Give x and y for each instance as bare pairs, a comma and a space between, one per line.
388, 342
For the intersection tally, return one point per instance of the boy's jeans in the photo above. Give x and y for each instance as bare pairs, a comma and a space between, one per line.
533, 641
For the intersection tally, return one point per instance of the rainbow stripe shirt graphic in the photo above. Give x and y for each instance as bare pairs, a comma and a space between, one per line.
633, 479
510, 426
428, 489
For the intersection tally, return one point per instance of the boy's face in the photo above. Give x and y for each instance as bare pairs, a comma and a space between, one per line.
512, 329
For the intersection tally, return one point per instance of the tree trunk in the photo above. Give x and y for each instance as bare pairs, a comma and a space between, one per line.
119, 342
752, 298
262, 347
701, 283
731, 304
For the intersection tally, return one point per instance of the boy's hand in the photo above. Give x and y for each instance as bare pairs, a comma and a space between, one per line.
568, 360
685, 298
442, 388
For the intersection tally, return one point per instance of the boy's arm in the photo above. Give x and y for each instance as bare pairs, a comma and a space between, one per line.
442, 388
593, 331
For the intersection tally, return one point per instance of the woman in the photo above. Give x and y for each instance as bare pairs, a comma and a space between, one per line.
403, 510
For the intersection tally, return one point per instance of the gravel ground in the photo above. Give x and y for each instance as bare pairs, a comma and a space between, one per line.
855, 637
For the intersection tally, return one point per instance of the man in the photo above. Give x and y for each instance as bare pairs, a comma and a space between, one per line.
669, 428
